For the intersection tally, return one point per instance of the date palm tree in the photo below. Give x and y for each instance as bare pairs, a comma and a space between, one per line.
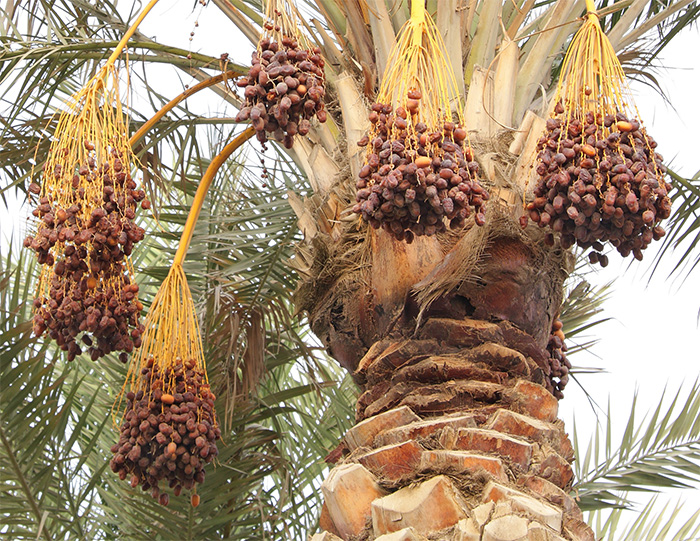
446, 337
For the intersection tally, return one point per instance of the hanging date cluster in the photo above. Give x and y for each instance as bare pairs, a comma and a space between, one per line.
599, 181
559, 364
284, 90
169, 432
87, 297
416, 181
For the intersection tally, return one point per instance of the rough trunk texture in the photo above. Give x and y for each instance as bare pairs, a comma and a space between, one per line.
457, 434
457, 439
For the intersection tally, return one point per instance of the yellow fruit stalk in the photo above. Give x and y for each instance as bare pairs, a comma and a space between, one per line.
86, 229
169, 427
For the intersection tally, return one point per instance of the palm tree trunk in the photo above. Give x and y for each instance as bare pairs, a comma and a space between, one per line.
457, 434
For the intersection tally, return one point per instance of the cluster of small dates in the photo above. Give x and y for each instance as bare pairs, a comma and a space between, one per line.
600, 181
559, 365
415, 182
167, 437
284, 90
90, 297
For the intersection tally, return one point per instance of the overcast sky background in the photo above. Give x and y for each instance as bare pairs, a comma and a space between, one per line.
653, 339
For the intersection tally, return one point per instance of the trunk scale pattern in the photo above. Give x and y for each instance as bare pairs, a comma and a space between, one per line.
457, 436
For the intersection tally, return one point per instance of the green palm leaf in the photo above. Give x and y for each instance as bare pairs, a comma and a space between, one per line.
684, 227
656, 520
663, 450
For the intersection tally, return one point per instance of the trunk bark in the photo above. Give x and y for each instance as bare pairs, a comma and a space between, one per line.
457, 434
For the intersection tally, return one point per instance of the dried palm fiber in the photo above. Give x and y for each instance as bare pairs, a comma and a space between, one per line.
419, 170
169, 428
86, 230
599, 176
284, 88
468, 259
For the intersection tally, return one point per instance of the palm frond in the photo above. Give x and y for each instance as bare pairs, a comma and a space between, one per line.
313, 431
661, 451
683, 233
656, 520
46, 491
582, 304
661, 22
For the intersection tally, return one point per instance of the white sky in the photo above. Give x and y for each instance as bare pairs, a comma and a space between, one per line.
654, 340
